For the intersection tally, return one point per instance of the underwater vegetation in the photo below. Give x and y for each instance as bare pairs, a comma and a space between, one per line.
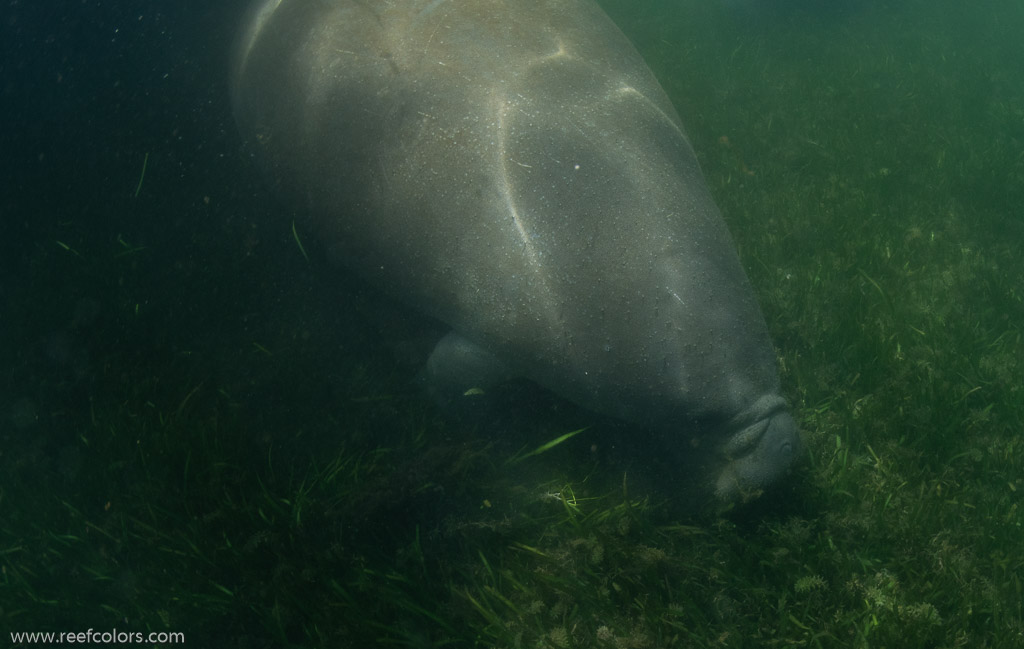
209, 435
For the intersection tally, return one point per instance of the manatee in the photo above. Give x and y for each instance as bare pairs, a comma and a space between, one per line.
513, 169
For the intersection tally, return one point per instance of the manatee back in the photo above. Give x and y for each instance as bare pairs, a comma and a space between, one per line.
512, 168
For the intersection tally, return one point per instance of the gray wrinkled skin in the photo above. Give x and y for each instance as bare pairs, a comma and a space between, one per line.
512, 168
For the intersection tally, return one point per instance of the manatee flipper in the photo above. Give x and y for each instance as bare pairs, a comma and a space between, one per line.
459, 368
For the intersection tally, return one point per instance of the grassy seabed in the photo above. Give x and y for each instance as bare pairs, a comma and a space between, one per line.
278, 480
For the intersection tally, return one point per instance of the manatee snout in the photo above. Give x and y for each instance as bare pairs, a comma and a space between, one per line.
757, 456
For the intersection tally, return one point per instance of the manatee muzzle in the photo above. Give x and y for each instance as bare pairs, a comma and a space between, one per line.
759, 452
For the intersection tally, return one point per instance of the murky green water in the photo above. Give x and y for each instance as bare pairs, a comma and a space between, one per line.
203, 432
